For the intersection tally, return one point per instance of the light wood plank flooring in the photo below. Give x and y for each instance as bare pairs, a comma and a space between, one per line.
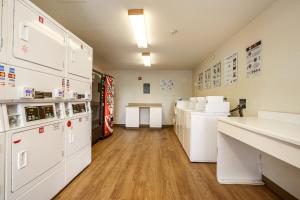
150, 164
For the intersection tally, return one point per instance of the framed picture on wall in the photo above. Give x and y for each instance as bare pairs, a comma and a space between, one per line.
146, 88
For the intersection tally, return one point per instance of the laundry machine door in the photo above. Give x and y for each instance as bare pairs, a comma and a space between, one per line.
37, 39
34, 152
2, 52
78, 134
80, 58
2, 165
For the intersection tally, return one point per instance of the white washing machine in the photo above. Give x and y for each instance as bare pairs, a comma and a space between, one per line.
196, 126
78, 138
34, 138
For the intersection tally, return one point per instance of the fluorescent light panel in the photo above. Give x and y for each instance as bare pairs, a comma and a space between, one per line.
147, 59
137, 20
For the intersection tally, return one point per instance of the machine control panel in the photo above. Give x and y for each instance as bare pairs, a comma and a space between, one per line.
42, 95
78, 108
34, 113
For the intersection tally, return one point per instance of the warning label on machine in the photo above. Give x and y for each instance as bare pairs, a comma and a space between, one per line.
11, 77
2, 75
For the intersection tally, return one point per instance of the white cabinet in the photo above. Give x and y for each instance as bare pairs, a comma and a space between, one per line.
155, 117
80, 58
132, 117
34, 152
37, 42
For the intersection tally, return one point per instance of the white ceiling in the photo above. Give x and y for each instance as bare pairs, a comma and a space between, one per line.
202, 26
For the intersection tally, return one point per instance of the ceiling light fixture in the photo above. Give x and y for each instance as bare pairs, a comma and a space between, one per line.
137, 20
147, 59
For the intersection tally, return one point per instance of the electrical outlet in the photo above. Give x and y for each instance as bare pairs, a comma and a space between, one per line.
242, 103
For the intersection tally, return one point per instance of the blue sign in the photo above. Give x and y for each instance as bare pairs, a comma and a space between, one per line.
11, 70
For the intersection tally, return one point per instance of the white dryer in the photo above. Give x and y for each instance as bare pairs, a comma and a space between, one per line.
34, 138
78, 138
36, 52
79, 68
2, 155
3, 31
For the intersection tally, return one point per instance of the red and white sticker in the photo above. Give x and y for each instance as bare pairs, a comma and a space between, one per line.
41, 130
41, 19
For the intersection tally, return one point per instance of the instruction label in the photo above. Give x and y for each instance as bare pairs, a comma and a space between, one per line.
11, 77
2, 75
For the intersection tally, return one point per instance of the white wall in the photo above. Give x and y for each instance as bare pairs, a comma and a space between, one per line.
277, 88
128, 89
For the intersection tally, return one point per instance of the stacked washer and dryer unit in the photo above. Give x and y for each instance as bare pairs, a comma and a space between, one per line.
45, 93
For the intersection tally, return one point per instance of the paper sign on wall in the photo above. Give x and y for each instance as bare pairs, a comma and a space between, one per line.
216, 75
200, 80
166, 84
231, 69
254, 59
207, 78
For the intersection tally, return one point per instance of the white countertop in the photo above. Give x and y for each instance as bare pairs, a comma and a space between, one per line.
287, 132
144, 105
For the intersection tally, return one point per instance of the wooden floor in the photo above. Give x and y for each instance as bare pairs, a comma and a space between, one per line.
150, 164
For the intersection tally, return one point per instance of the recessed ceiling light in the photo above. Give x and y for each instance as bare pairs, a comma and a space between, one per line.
147, 59
137, 20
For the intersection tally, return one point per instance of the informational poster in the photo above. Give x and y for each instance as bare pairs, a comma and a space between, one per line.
231, 69
254, 59
200, 80
216, 75
166, 84
207, 78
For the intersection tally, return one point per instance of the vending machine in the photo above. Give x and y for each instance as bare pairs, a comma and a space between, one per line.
108, 107
103, 106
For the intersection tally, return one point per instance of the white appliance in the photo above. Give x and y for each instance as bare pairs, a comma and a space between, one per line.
37, 41
197, 129
78, 138
2, 155
34, 139
41, 65
79, 70
3, 32
36, 47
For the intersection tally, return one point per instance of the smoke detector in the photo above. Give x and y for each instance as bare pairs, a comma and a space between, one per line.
173, 31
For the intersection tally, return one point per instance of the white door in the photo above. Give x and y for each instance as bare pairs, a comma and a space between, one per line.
80, 58
37, 39
78, 134
34, 152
